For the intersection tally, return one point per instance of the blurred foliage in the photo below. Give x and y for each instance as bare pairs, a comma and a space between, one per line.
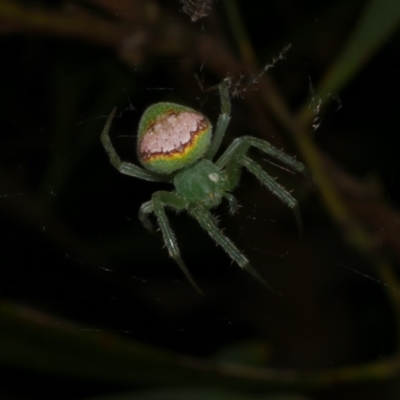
92, 307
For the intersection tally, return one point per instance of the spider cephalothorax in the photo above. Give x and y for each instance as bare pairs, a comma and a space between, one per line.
175, 145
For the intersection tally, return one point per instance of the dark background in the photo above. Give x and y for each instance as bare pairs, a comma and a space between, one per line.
72, 245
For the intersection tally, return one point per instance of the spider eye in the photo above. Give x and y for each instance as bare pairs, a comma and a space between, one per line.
214, 177
171, 137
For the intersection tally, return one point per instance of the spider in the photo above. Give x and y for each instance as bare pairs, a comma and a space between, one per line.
175, 144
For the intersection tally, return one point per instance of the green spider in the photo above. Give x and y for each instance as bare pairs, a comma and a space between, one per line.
174, 144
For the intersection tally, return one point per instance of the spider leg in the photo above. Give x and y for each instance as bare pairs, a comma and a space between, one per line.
170, 199
159, 201
207, 222
122, 166
274, 187
223, 120
234, 158
233, 205
144, 211
241, 145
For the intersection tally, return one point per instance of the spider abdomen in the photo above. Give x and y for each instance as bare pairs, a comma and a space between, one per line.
202, 182
172, 136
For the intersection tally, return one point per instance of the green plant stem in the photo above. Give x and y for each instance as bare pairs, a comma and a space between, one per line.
82, 26
35, 340
240, 33
299, 128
